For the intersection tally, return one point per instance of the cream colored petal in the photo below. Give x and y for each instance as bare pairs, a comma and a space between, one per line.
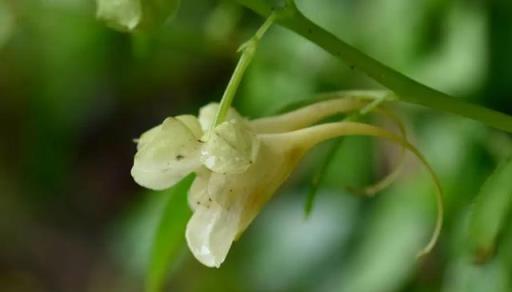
166, 154
199, 190
208, 113
210, 233
231, 148
233, 201
192, 123
147, 136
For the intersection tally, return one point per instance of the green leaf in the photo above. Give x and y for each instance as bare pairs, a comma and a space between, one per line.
132, 15
169, 237
491, 208
318, 177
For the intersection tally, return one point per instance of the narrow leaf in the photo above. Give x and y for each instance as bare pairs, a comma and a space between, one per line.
318, 177
169, 237
490, 210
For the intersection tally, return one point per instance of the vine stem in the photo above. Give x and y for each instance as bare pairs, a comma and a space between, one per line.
407, 89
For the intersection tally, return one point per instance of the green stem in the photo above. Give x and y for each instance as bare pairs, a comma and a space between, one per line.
248, 49
407, 89
234, 82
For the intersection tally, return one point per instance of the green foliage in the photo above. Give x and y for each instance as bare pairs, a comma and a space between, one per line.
318, 176
490, 211
6, 22
131, 15
385, 255
169, 238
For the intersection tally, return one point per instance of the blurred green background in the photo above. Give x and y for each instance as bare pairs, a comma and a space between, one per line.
74, 93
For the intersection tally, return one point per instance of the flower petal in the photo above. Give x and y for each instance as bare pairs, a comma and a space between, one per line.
147, 136
192, 124
210, 233
230, 148
165, 155
208, 113
199, 190
231, 202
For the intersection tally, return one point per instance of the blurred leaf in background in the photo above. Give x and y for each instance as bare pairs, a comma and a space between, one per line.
489, 213
7, 22
169, 240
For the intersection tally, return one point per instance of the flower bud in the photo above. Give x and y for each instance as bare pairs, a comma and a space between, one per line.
130, 15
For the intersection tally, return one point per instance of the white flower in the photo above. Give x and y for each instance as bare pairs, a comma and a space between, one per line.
239, 164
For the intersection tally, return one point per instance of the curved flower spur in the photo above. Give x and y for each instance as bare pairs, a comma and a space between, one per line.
239, 164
